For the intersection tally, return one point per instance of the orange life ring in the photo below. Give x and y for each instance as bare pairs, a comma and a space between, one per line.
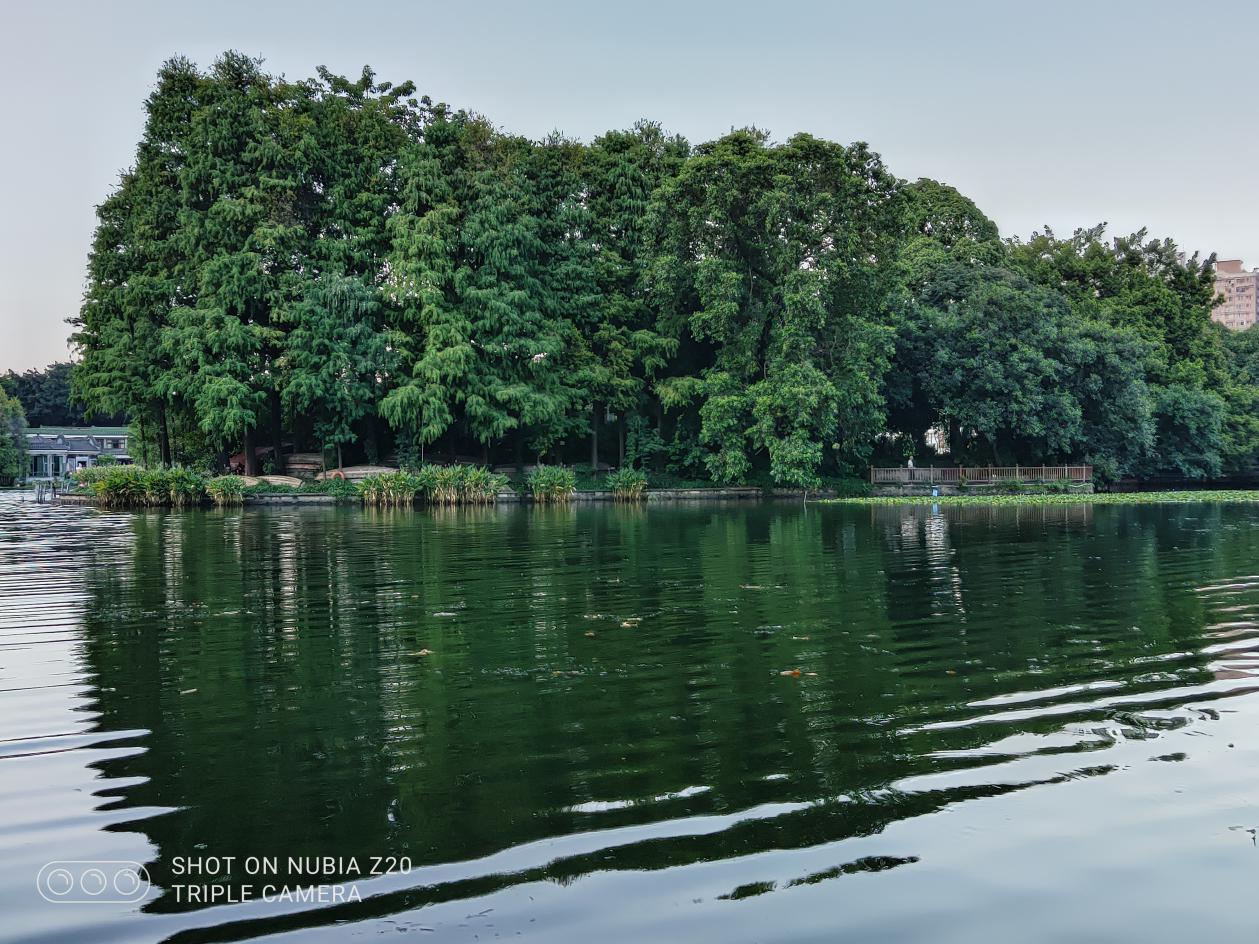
337, 474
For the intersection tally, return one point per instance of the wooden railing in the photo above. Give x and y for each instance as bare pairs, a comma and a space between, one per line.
982, 475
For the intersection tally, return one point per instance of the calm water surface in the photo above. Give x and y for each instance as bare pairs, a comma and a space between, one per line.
572, 725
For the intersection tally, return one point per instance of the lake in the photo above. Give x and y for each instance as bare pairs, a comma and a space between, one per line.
690, 722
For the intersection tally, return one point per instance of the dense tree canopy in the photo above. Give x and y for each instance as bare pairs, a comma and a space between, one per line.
46, 398
337, 263
12, 439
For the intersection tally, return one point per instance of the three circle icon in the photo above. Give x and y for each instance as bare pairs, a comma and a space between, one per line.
85, 882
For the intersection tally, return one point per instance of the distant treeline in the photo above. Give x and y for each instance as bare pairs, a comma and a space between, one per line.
340, 263
46, 398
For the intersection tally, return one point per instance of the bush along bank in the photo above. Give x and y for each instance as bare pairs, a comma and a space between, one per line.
130, 486
139, 487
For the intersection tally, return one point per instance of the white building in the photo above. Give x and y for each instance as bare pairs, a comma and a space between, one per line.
56, 451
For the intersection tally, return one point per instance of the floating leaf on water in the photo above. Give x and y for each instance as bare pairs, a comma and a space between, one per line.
801, 638
188, 691
794, 673
590, 633
423, 652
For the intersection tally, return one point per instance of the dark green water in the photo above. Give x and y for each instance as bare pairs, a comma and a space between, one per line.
1033, 724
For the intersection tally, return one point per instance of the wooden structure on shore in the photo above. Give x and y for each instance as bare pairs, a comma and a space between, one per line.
982, 475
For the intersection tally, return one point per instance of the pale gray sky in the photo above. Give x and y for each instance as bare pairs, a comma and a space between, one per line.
1067, 113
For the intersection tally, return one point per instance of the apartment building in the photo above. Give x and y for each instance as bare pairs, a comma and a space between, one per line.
1239, 290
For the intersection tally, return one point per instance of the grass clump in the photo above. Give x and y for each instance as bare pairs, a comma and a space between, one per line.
552, 483
392, 488
226, 490
441, 484
480, 486
627, 484
131, 486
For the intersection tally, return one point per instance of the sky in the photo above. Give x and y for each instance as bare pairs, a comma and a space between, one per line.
1064, 114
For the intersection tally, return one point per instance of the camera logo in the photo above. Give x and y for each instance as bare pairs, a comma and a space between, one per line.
87, 882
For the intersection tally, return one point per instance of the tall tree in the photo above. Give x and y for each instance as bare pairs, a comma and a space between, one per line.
335, 351
47, 397
780, 259
624, 347
243, 233
137, 271
12, 439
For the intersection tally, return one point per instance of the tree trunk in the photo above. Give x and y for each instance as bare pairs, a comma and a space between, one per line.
955, 441
371, 440
163, 435
594, 436
251, 454
660, 456
338, 455
277, 451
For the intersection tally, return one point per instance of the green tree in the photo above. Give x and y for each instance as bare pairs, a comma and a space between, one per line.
1166, 298
624, 347
334, 352
12, 439
243, 230
137, 272
47, 398
779, 260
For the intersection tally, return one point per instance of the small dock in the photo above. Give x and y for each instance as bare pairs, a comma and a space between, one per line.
959, 480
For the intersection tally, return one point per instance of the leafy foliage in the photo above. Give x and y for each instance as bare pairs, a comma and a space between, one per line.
12, 439
447, 485
47, 399
549, 483
133, 486
336, 264
627, 484
226, 490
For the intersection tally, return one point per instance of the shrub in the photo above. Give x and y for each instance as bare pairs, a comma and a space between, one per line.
392, 488
552, 483
226, 490
339, 488
627, 484
480, 485
86, 478
443, 484
131, 486
179, 487
447, 482
1062, 487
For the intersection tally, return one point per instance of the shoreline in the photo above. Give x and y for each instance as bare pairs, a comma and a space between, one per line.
1180, 497
738, 493
1236, 496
